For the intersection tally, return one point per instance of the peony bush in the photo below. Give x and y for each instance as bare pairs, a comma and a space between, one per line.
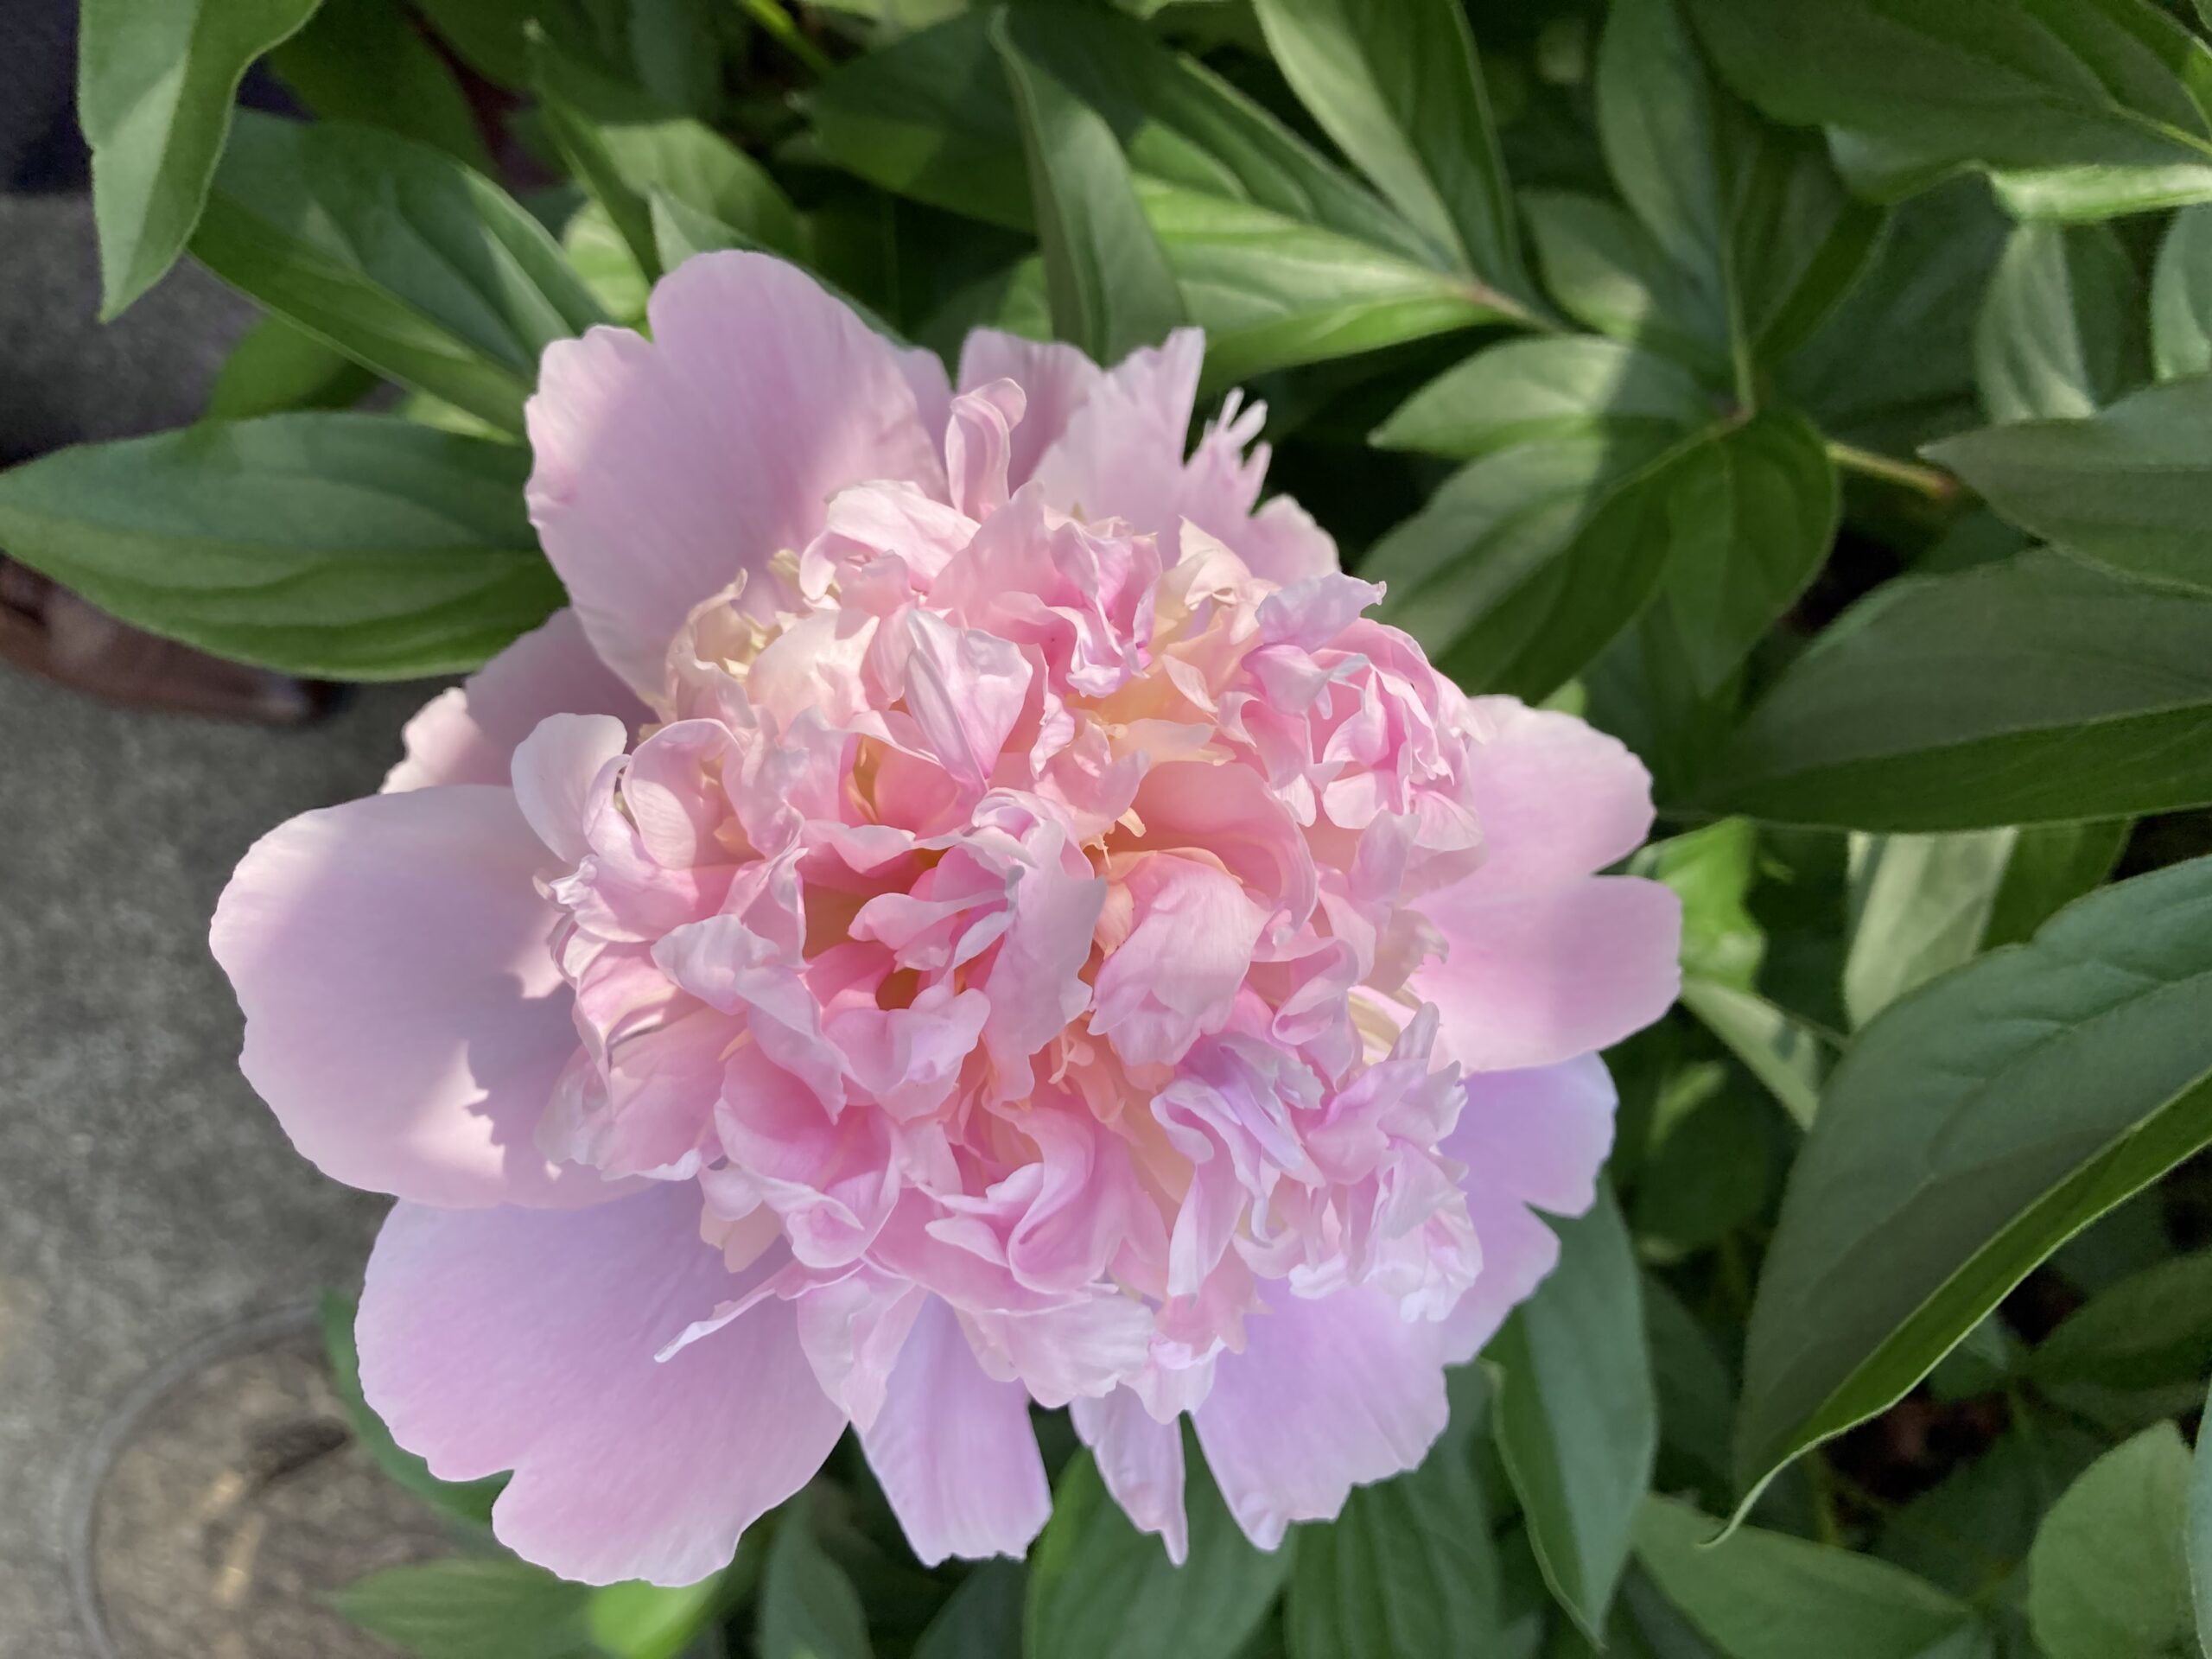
1295, 827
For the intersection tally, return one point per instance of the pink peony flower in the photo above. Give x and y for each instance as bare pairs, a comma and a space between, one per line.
966, 911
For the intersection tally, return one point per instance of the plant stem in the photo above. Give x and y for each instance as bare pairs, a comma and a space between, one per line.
1936, 485
778, 24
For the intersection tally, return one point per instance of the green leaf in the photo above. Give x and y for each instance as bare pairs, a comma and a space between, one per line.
2108, 1577
2181, 296
1890, 366
929, 116
491, 36
2028, 691
624, 145
2130, 488
1696, 1395
341, 546
1272, 292
1577, 1417
491, 1607
983, 1619
1554, 387
155, 82
598, 253
1765, 1595
1919, 907
1105, 275
2061, 332
276, 367
2084, 109
1783, 1053
1607, 272
2198, 1539
809, 1609
2051, 866
364, 61
1706, 1171
2152, 1329
1100, 1589
1970, 1533
398, 255
1406, 1571
637, 1620
1527, 561
676, 48
1972, 1129
1750, 516
1395, 84
470, 1500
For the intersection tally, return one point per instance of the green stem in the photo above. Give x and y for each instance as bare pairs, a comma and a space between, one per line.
780, 24
1936, 485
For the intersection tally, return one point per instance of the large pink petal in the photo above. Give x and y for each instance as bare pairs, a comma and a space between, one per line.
1142, 1463
666, 467
1328, 1395
404, 1017
1535, 977
517, 1339
467, 733
954, 1451
1536, 1137
1556, 798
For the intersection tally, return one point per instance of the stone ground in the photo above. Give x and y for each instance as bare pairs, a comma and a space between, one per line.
148, 1202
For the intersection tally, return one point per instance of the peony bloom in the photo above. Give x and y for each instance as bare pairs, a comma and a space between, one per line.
965, 911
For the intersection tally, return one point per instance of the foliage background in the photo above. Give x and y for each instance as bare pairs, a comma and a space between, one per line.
1817, 394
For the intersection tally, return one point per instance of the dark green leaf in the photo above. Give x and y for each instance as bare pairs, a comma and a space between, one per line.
2083, 109
276, 367
1749, 518
342, 546
492, 1607
1971, 1130
471, 1500
2130, 488
1765, 1595
2108, 1577
624, 145
1706, 1171
2029, 691
2152, 1329
809, 1609
1781, 1051
1107, 279
2181, 296
2051, 866
1577, 1419
1100, 1589
1919, 908
1549, 388
2061, 333
155, 82
2198, 1538
1527, 561
983, 1619
1696, 1396
1394, 82
1405, 1571
364, 61
399, 256
491, 36
676, 48
1970, 1533
1892, 365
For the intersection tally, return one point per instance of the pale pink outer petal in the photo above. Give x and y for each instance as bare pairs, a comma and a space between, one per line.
1328, 1395
1142, 1463
666, 467
404, 1017
954, 1451
1534, 977
1556, 798
1056, 377
467, 733
497, 1339
1536, 1137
